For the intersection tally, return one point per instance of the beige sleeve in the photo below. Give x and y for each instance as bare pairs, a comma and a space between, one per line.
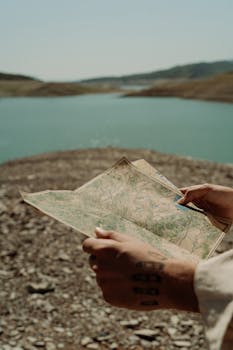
214, 289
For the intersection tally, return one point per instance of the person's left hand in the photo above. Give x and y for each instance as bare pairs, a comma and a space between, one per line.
134, 275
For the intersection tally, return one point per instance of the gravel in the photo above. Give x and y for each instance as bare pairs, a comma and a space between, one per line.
48, 294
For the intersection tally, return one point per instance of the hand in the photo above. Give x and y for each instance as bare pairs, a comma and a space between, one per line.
134, 275
215, 199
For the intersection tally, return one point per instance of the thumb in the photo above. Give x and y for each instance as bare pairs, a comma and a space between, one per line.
194, 193
185, 199
116, 236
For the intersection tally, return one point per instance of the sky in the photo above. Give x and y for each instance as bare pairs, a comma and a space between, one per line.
76, 39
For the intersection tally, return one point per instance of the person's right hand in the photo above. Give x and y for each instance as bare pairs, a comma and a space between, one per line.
215, 199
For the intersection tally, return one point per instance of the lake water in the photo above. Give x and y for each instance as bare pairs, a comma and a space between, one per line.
198, 129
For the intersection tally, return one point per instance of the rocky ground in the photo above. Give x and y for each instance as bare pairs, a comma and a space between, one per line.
48, 295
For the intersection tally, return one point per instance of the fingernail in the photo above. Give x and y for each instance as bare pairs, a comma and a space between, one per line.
100, 230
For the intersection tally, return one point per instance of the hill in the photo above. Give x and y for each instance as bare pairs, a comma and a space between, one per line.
217, 88
16, 77
188, 71
32, 88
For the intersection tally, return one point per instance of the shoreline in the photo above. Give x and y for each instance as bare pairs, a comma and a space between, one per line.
190, 170
218, 88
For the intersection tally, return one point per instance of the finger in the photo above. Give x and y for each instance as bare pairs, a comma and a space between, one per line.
183, 189
93, 262
116, 236
194, 193
98, 246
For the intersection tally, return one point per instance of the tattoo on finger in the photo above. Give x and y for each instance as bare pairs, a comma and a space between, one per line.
140, 277
149, 303
146, 291
158, 266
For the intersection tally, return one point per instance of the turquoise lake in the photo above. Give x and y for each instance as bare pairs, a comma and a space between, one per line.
202, 130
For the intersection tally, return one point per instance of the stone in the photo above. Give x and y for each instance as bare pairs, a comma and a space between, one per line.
40, 288
59, 329
86, 340
130, 324
113, 346
63, 256
187, 323
182, 343
174, 320
66, 270
93, 346
31, 339
14, 333
3, 208
39, 344
103, 336
50, 346
171, 331
147, 334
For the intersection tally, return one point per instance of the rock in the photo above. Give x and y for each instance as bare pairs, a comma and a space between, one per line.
66, 270
187, 323
40, 288
103, 336
108, 310
50, 346
21, 328
59, 329
182, 343
93, 346
39, 344
3, 208
132, 339
88, 279
12, 343
171, 331
147, 334
174, 320
86, 340
113, 346
31, 339
146, 344
14, 333
63, 256
130, 324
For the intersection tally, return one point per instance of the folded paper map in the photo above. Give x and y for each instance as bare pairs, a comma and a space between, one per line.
135, 199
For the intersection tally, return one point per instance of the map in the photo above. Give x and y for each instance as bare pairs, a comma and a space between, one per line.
135, 199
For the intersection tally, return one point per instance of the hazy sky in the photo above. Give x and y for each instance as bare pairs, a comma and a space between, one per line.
73, 39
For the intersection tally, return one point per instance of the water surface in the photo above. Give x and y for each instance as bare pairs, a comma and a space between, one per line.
198, 129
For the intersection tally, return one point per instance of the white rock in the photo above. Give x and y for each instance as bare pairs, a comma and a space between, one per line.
147, 334
182, 343
93, 346
86, 340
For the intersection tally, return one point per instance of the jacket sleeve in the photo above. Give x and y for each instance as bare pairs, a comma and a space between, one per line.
214, 289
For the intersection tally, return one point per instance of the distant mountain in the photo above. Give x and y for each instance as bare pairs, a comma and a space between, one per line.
16, 77
216, 88
188, 71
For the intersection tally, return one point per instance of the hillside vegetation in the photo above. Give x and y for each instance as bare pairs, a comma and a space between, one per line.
217, 88
16, 77
188, 71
